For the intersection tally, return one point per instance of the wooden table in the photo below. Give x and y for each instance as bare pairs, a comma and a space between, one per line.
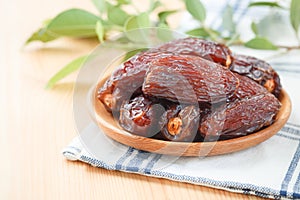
37, 123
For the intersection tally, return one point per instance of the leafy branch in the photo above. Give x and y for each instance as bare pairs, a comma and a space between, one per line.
123, 15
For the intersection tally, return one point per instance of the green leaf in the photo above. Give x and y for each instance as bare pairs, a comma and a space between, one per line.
227, 20
46, 22
164, 14
140, 21
265, 3
196, 9
203, 32
132, 53
260, 43
164, 33
254, 28
134, 28
295, 15
41, 35
74, 23
68, 69
123, 2
154, 5
117, 16
100, 31
100, 5
198, 32
163, 26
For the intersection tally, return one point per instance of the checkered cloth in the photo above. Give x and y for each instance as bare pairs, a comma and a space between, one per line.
270, 169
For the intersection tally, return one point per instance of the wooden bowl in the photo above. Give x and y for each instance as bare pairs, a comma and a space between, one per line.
112, 129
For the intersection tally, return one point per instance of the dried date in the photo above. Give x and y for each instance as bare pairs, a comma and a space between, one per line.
180, 123
189, 79
240, 117
221, 95
127, 79
140, 116
259, 71
247, 88
131, 74
208, 50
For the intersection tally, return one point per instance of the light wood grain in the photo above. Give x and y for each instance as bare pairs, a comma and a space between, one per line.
37, 123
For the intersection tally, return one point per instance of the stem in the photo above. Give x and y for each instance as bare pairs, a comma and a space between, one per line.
235, 42
234, 38
276, 55
212, 35
288, 48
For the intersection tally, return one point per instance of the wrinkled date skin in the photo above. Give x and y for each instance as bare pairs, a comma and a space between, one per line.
247, 88
180, 123
208, 50
131, 75
189, 79
140, 116
125, 81
259, 71
240, 118
192, 90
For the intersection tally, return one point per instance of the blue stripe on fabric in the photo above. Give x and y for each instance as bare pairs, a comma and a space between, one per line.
95, 162
292, 124
151, 163
291, 130
261, 194
135, 163
246, 191
296, 195
288, 137
290, 172
237, 186
296, 188
120, 162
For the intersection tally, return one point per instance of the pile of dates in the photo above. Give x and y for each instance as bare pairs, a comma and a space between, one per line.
192, 90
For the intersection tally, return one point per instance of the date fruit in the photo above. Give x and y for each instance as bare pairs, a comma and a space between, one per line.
189, 79
180, 123
240, 117
259, 71
247, 88
140, 116
130, 75
126, 80
208, 50
192, 90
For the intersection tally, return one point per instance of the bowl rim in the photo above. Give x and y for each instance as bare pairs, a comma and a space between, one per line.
190, 148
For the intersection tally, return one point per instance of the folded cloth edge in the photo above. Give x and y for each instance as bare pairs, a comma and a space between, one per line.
75, 152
